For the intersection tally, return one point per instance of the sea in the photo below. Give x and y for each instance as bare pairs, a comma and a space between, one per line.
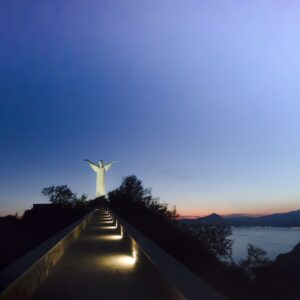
273, 240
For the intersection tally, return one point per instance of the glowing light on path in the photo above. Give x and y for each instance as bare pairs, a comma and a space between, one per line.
108, 227
124, 262
130, 260
106, 222
112, 237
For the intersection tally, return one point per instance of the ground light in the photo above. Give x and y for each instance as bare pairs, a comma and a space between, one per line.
113, 237
109, 227
122, 261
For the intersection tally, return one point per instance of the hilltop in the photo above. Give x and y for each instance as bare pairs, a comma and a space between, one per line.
287, 219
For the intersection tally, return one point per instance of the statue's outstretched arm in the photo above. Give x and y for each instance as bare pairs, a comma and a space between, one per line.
108, 166
92, 165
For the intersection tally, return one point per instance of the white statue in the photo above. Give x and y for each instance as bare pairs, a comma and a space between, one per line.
100, 170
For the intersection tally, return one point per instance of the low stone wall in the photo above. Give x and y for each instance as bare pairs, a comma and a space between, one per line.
186, 282
20, 280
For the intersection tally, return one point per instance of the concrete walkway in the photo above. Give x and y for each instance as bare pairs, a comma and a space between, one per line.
104, 263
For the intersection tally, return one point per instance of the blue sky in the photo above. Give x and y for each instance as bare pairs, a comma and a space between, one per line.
200, 99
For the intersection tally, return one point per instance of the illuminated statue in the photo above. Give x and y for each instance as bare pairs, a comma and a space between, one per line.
100, 170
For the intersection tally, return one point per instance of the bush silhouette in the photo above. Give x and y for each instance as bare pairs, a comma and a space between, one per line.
20, 235
135, 203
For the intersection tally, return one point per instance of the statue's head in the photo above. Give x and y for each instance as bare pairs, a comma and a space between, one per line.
101, 163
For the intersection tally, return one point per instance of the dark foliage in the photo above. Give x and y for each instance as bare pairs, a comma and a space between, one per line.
134, 203
20, 235
61, 195
256, 258
280, 279
215, 238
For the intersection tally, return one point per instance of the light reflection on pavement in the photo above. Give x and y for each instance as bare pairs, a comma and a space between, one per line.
105, 263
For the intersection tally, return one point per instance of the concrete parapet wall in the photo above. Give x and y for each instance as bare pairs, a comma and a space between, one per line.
187, 283
20, 280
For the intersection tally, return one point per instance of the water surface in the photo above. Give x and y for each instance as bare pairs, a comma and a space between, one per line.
272, 239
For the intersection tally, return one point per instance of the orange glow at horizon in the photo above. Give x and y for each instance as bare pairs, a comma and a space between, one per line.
194, 212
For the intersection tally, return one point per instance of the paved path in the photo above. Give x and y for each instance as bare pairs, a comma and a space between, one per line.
104, 263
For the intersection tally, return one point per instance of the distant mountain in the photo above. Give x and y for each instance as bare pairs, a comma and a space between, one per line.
208, 220
289, 219
213, 218
238, 215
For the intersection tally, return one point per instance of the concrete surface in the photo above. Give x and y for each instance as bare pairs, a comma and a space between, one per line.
20, 280
105, 263
188, 283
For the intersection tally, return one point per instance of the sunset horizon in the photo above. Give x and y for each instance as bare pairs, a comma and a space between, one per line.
200, 103
149, 149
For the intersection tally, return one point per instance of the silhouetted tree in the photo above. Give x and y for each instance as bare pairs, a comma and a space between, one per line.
61, 194
21, 234
133, 202
133, 191
215, 238
256, 257
80, 202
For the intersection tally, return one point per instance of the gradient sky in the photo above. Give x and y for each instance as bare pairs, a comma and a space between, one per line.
200, 99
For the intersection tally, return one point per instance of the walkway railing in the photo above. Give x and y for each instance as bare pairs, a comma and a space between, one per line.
189, 285
20, 280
